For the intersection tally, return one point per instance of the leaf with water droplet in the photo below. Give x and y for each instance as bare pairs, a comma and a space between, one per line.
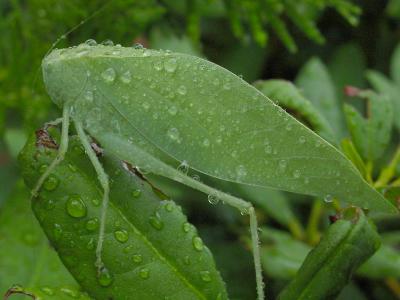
205, 109
26, 256
142, 231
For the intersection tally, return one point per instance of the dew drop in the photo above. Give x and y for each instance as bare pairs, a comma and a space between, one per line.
206, 142
186, 227
107, 42
51, 183
57, 231
137, 258
197, 243
92, 224
136, 193
296, 173
282, 164
69, 292
156, 222
90, 245
158, 65
170, 65
173, 110
91, 42
89, 96
268, 149
121, 236
126, 77
144, 273
205, 276
173, 134
104, 277
48, 291
108, 75
183, 167
169, 207
241, 171
43, 168
213, 199
76, 207
302, 139
186, 260
49, 205
328, 198
182, 90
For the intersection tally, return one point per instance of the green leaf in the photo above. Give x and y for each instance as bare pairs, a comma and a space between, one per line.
317, 86
281, 254
384, 86
26, 257
351, 153
347, 67
371, 135
395, 65
329, 266
140, 252
384, 263
286, 95
177, 107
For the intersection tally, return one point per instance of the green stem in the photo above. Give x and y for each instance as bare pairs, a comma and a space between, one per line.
313, 221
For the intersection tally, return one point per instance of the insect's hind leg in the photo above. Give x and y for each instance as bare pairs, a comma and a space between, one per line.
61, 150
103, 178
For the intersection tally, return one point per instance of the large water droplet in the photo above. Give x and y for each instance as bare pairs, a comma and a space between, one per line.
104, 277
76, 207
108, 75
197, 243
126, 77
51, 183
121, 236
170, 65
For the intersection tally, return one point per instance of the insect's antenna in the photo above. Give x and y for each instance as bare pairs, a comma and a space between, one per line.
64, 36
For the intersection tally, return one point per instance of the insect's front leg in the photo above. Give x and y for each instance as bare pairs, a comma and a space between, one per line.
62, 150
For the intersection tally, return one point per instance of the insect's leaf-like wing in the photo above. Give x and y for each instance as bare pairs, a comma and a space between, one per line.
150, 251
176, 107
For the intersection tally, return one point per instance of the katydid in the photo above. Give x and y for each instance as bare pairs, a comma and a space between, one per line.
158, 109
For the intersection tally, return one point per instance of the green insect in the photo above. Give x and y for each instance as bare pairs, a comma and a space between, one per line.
158, 110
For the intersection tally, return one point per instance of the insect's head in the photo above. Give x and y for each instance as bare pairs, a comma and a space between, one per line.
64, 75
